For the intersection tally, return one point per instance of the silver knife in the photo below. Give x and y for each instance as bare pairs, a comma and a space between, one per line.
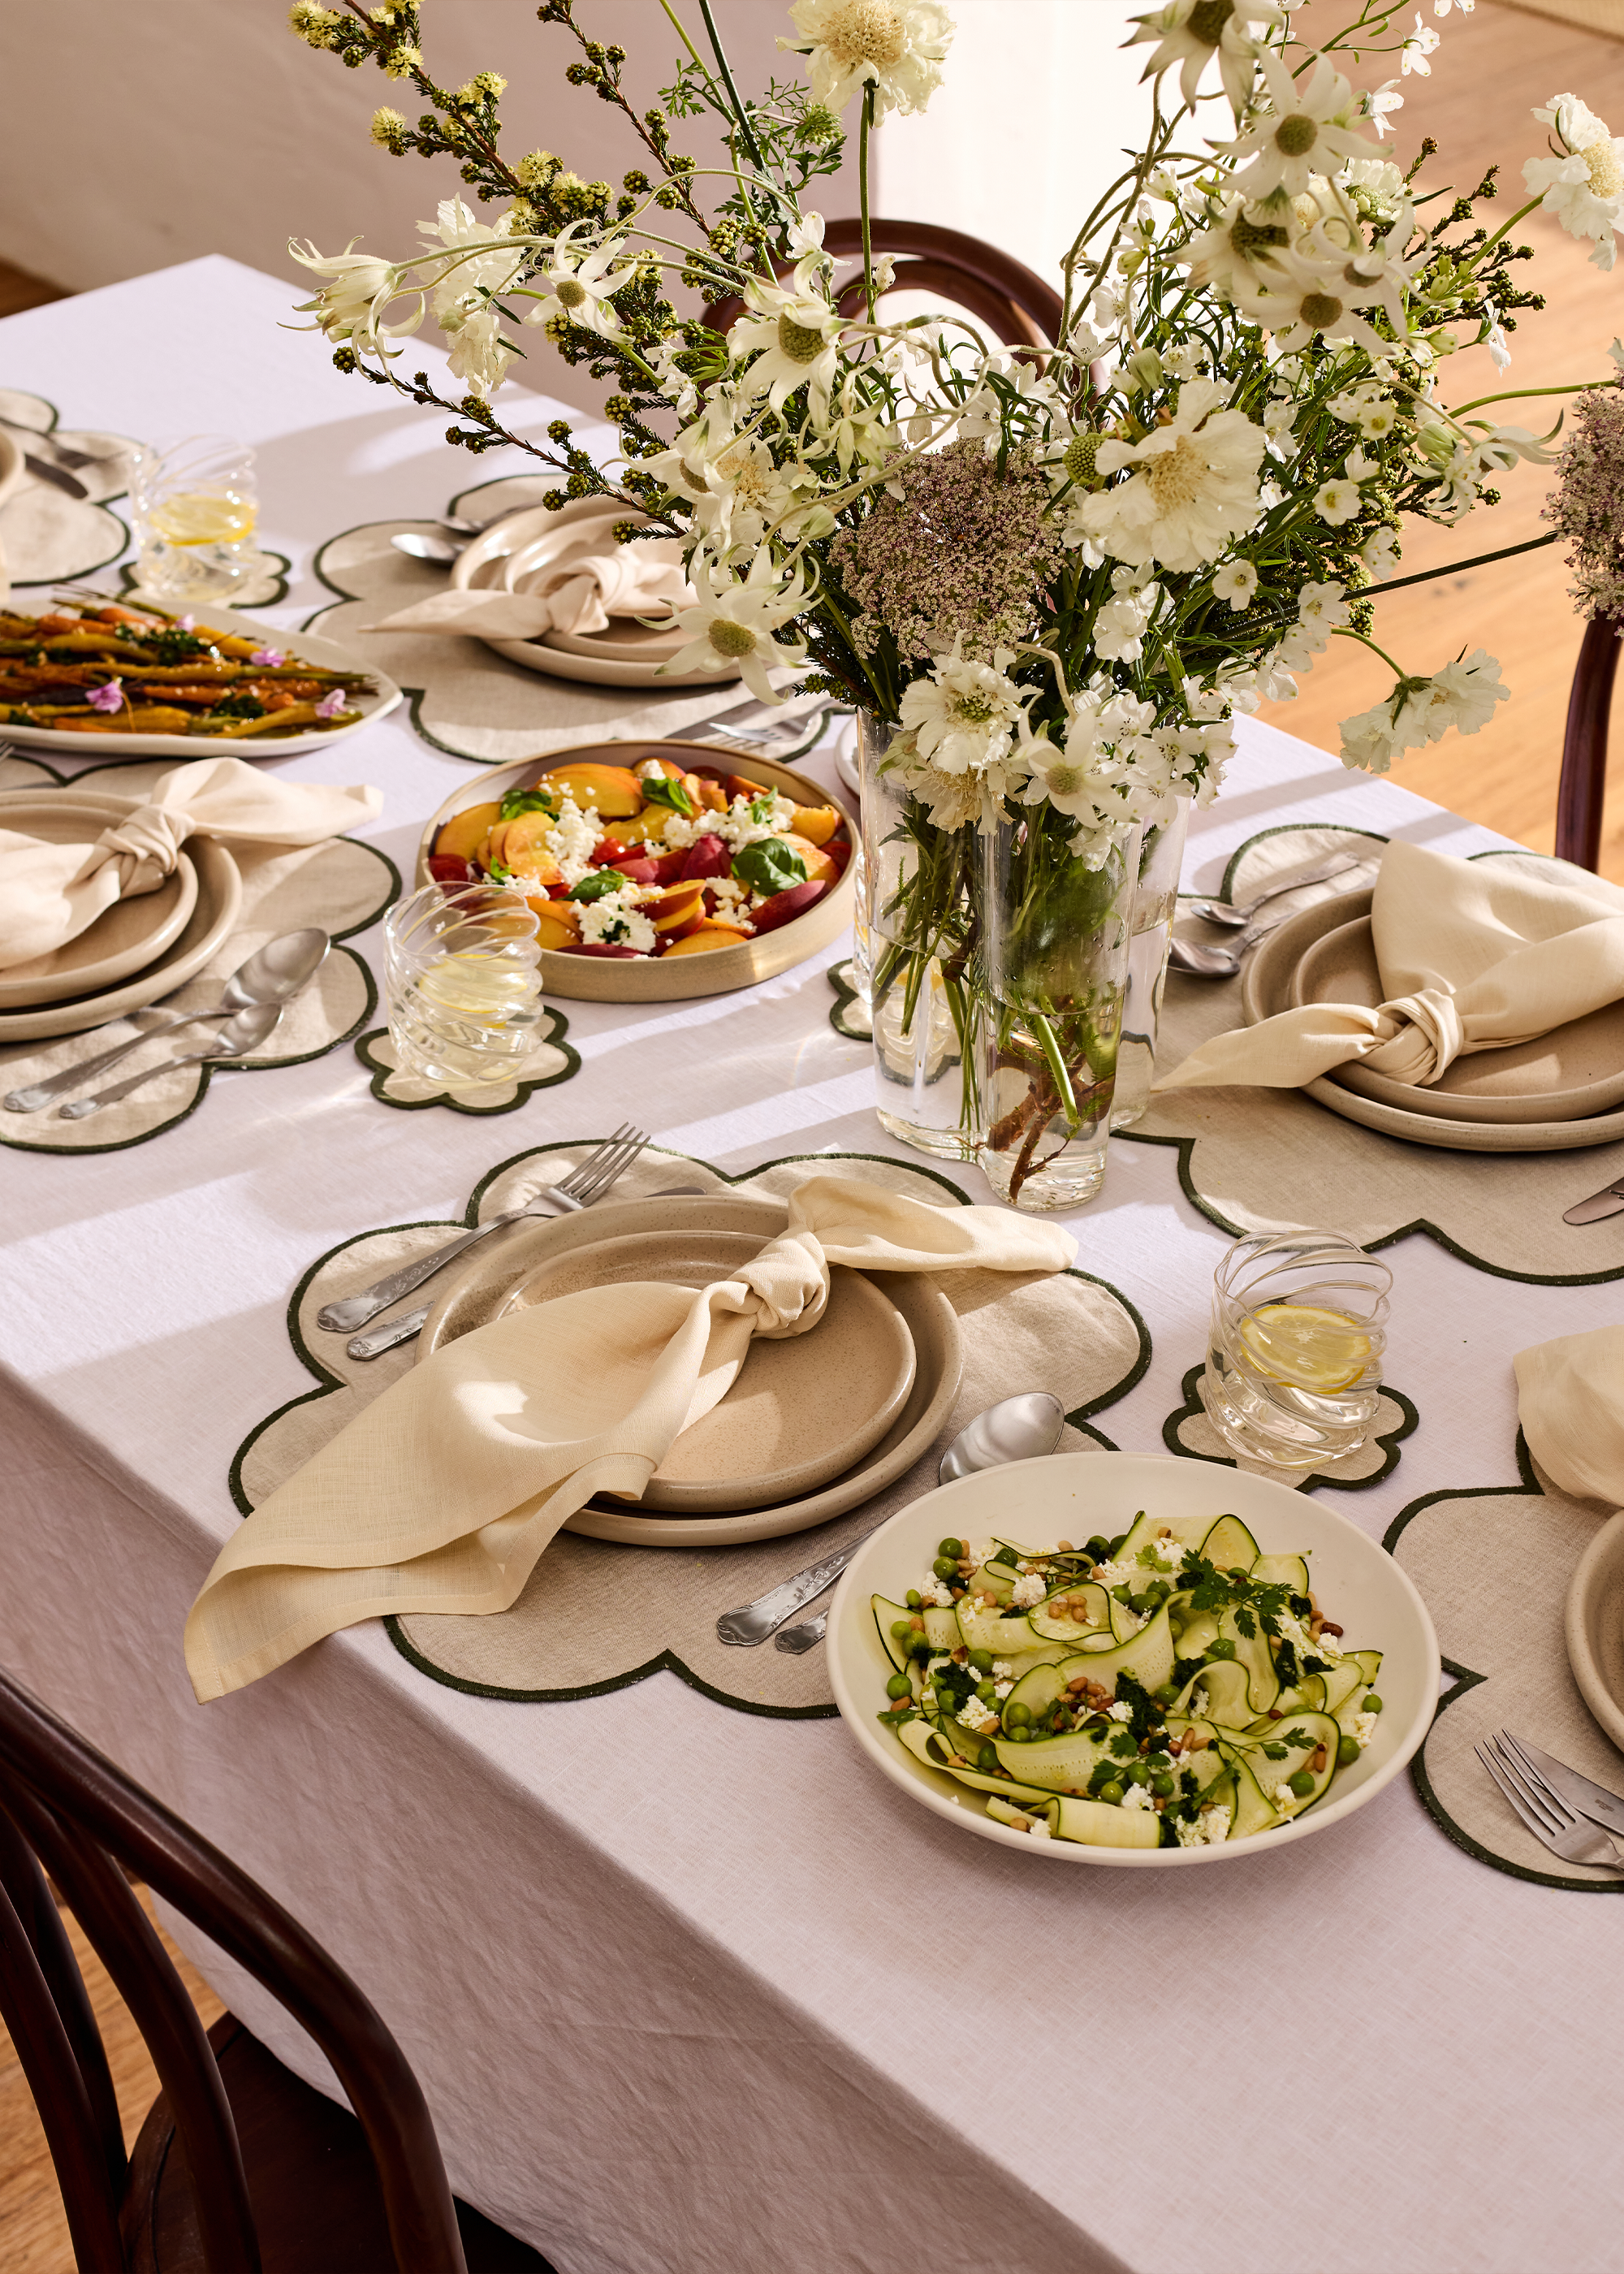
372, 1341
1592, 1800
43, 470
1606, 1203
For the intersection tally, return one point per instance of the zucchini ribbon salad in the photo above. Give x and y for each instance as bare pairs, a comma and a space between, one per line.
1170, 1688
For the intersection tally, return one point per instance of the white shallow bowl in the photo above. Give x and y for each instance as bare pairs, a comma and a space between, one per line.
1073, 1495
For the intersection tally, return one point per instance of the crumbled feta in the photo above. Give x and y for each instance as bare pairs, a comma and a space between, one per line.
973, 1714
1197, 1706
736, 827
612, 921
938, 1595
1002, 1689
573, 838
1119, 1710
1210, 1829
1040, 1827
1283, 1799
1293, 1630
1137, 1795
1001, 1671
1114, 1575
1329, 1649
1363, 1729
1171, 1553
729, 897
1028, 1589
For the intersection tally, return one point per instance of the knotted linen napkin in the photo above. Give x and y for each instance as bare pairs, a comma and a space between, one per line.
49, 894
443, 1493
578, 592
1570, 1402
1474, 955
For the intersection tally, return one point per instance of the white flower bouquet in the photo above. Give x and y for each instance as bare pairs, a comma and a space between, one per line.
1053, 578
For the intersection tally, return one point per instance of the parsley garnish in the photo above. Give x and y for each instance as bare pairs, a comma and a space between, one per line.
238, 706
1254, 1602
172, 646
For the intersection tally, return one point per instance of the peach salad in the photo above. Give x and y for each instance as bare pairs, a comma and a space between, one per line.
655, 859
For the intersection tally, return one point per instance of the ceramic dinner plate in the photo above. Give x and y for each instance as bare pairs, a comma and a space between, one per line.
1071, 1495
124, 939
1594, 1627
804, 1408
214, 914
670, 979
1576, 1070
932, 1325
309, 647
1265, 988
507, 557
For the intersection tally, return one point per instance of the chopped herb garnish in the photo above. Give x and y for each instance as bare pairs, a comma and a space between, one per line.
599, 885
666, 789
238, 706
770, 865
519, 801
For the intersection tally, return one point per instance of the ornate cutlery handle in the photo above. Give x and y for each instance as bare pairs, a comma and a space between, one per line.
82, 1107
341, 1318
752, 1622
373, 1341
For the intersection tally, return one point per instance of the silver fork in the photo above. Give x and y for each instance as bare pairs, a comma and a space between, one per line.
586, 1183
1562, 1829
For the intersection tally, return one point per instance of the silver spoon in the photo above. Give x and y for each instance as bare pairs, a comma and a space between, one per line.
235, 1038
1239, 913
443, 550
1016, 1429
273, 974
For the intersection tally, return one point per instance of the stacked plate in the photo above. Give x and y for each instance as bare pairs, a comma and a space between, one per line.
1558, 1094
814, 1424
137, 950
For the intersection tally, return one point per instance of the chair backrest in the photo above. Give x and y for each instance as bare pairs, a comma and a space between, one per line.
64, 1807
1015, 304
1582, 788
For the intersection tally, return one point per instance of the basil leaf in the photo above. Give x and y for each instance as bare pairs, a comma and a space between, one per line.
599, 885
770, 865
519, 801
666, 789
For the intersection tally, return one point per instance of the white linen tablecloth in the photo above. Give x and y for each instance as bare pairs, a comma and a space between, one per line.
692, 1991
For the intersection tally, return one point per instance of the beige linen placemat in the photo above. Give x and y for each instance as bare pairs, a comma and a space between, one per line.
467, 699
1494, 1563
553, 1060
597, 1616
344, 885
1260, 1160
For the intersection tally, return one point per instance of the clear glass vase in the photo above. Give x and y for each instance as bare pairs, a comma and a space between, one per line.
1052, 958
912, 960
1155, 901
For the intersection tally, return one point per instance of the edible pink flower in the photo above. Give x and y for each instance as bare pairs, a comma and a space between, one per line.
110, 698
267, 656
186, 623
331, 703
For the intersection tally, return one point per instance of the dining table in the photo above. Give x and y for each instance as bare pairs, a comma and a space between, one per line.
691, 1990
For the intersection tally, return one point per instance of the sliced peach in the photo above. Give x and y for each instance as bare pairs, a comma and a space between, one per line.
614, 790
643, 828
817, 823
711, 797
654, 763
819, 867
559, 922
518, 846
676, 907
707, 935
463, 833
741, 786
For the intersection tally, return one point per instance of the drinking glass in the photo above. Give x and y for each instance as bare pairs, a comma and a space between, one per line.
1294, 1363
463, 982
194, 505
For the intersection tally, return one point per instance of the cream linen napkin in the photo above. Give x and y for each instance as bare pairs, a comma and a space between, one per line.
1474, 955
579, 591
443, 1493
1570, 1401
50, 894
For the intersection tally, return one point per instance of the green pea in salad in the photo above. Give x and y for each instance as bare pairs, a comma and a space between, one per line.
1170, 1688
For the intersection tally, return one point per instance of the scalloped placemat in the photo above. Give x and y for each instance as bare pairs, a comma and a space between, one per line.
597, 1616
1494, 1563
1262, 1160
1189, 1431
465, 698
344, 885
46, 535
553, 1060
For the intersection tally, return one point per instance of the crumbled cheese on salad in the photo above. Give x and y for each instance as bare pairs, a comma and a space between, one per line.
731, 897
1001, 1671
1171, 1553
1283, 1799
1114, 1575
1210, 1829
1329, 1649
1028, 1589
737, 827
1119, 1710
938, 1595
1137, 1795
1040, 1827
1363, 1729
974, 1715
1197, 1706
1002, 1689
612, 922
573, 838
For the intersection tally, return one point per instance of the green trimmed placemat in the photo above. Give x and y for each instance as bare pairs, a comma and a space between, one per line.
554, 1060
597, 1617
45, 535
850, 1016
1188, 1431
1262, 1160
465, 698
1494, 1563
343, 884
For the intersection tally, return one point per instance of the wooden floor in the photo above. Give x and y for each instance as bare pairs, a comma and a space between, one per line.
34, 2234
19, 290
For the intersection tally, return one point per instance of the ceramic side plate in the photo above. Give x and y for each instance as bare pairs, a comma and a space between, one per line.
124, 939
1594, 1627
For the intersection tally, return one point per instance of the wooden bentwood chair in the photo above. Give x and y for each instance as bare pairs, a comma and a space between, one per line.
240, 2167
1582, 788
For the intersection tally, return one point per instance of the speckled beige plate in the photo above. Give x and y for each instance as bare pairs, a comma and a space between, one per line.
1575, 1071
930, 1318
1265, 988
804, 1408
662, 978
1594, 1627
124, 939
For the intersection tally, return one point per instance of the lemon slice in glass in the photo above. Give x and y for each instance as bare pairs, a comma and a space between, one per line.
204, 517
1305, 1347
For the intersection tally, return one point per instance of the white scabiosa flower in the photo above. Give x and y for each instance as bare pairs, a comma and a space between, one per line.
1583, 184
965, 716
735, 622
1462, 695
897, 47
1336, 501
1305, 128
575, 282
1192, 486
1235, 582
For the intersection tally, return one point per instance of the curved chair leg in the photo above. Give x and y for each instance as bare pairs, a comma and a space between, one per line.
1583, 785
